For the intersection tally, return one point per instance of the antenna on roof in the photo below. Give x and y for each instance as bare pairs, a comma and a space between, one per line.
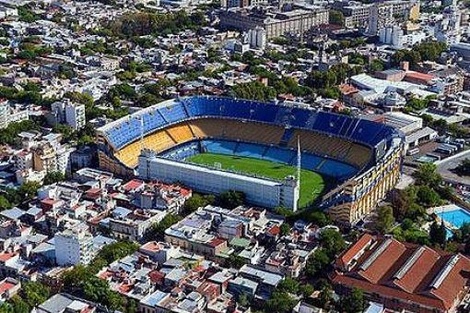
142, 133
298, 160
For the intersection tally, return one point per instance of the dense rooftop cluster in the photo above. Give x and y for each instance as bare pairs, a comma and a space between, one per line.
105, 107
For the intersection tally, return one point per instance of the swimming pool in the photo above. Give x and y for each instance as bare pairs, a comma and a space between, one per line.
457, 217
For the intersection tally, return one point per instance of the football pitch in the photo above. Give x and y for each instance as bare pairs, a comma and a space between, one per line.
311, 183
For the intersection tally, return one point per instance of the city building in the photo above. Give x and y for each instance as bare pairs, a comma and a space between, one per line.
61, 303
66, 111
9, 114
74, 246
383, 14
356, 14
403, 276
276, 24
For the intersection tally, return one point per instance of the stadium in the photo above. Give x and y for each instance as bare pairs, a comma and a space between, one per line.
165, 141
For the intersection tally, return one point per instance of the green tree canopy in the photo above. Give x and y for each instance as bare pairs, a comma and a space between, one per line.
254, 90
354, 302
197, 201
332, 241
317, 263
53, 177
438, 234
385, 219
427, 175
157, 231
231, 199
336, 17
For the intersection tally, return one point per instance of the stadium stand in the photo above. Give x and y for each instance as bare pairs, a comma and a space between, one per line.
371, 152
237, 130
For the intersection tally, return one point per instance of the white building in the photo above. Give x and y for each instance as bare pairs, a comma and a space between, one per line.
64, 164
391, 35
448, 29
73, 114
10, 115
7, 11
259, 191
395, 36
257, 38
74, 246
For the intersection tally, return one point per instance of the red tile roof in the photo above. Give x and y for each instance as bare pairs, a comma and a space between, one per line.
410, 273
415, 269
381, 262
156, 277
151, 246
419, 76
275, 230
216, 242
453, 281
6, 256
359, 245
49, 201
5, 285
133, 184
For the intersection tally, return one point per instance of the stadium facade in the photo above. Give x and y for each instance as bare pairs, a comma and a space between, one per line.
260, 191
363, 156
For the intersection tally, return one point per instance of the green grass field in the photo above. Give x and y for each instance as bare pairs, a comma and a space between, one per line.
311, 183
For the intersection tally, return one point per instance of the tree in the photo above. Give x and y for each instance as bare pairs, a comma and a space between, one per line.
26, 15
4, 203
427, 175
26, 192
319, 218
385, 219
96, 289
254, 90
9, 135
332, 242
285, 229
430, 50
354, 302
289, 285
463, 168
427, 196
417, 104
53, 177
244, 300
325, 297
464, 232
19, 305
438, 234
68, 133
116, 251
440, 125
231, 199
306, 290
317, 263
336, 18
235, 261
197, 201
280, 302
35, 293
132, 306
376, 65
6, 307
157, 231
